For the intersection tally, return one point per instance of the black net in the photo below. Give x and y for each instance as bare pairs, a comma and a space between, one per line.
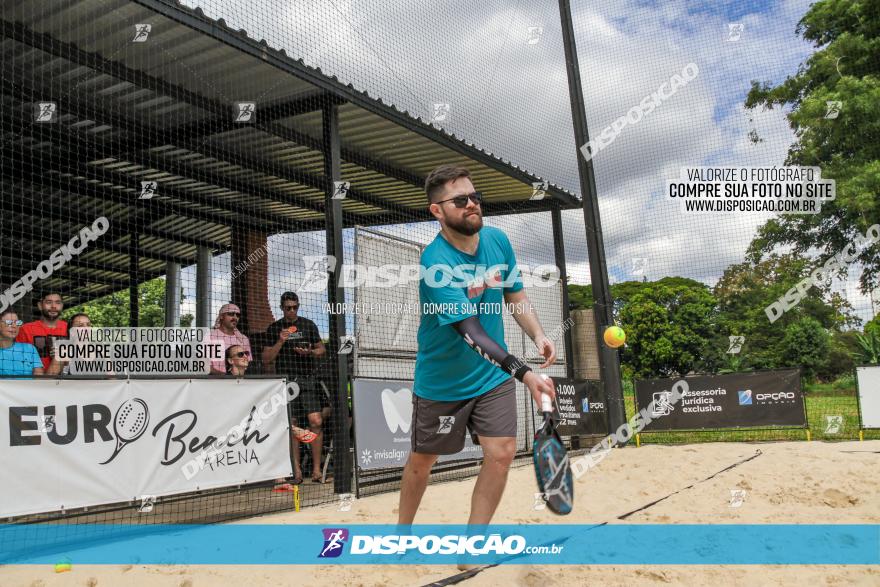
183, 157
180, 164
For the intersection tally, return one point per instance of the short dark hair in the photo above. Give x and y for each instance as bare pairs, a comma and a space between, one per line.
440, 177
8, 311
51, 292
77, 315
289, 296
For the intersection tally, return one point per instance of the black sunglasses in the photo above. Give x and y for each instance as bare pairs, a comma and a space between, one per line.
290, 307
462, 200
233, 314
240, 354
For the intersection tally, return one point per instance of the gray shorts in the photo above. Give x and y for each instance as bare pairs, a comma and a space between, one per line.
438, 428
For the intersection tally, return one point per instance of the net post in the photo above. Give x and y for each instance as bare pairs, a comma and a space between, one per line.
609, 360
332, 151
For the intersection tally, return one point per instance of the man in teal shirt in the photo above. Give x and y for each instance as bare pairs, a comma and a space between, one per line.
464, 374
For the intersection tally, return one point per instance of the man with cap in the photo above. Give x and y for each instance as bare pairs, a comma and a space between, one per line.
227, 334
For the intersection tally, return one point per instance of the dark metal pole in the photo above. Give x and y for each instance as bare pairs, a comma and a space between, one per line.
133, 301
559, 258
609, 362
342, 463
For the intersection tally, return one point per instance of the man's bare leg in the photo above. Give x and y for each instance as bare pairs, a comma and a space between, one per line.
498, 453
294, 443
315, 425
412, 485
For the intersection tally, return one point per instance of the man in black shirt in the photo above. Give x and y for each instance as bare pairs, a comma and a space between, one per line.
297, 346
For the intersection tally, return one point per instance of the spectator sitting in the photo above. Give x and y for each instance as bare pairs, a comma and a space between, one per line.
43, 332
226, 333
237, 360
57, 367
16, 358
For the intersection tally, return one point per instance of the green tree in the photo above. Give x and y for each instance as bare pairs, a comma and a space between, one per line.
840, 359
845, 68
805, 344
873, 325
113, 309
667, 324
746, 289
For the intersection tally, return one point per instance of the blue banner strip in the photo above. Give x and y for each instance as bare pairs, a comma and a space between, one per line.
619, 544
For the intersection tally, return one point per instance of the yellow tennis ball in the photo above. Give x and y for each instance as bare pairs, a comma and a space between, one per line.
63, 567
614, 336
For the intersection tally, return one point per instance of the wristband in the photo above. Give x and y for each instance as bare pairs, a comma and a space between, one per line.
515, 367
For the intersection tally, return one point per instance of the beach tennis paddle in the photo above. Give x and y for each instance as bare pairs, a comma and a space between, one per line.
552, 466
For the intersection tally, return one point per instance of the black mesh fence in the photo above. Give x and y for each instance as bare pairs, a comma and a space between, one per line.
162, 168
163, 160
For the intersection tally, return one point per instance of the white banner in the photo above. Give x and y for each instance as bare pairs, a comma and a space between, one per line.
68, 444
868, 381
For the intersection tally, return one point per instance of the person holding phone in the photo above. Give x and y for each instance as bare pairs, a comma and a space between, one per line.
294, 354
58, 367
43, 332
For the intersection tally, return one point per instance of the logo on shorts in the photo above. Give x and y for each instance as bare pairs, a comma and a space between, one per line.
745, 397
334, 541
446, 423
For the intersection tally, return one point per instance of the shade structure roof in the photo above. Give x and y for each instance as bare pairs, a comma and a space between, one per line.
126, 113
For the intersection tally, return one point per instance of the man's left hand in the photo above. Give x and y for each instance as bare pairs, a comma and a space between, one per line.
547, 349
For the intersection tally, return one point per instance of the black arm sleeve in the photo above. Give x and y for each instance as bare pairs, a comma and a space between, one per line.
478, 339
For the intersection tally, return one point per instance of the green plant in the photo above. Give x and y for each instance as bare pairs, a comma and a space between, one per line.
869, 348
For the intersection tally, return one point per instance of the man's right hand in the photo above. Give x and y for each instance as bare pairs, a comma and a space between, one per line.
538, 384
283, 336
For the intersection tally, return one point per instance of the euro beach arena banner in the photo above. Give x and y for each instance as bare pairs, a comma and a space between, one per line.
67, 444
759, 398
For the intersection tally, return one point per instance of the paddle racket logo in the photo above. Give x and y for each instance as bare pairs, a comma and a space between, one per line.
129, 424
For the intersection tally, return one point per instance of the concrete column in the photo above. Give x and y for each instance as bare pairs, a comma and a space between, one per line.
203, 288
250, 279
172, 294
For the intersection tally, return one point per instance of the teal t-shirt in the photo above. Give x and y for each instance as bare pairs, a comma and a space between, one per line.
455, 285
19, 359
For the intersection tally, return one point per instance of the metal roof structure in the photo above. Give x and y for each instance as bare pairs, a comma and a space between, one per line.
126, 115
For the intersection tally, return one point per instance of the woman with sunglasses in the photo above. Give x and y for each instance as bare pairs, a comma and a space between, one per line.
237, 360
16, 358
